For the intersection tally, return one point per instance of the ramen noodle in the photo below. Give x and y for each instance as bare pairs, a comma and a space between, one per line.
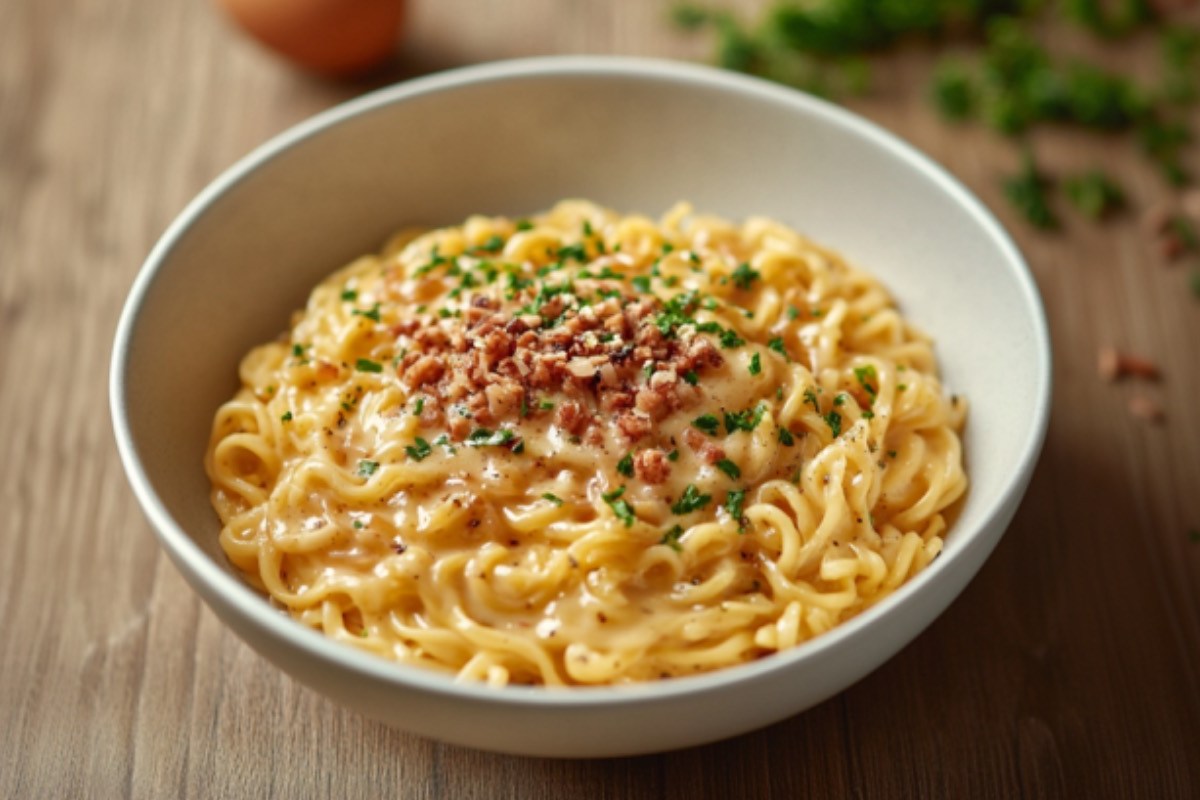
586, 448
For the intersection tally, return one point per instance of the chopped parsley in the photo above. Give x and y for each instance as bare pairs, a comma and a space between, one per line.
418, 450
730, 339
641, 283
553, 498
707, 423
545, 405
1027, 191
785, 437
287, 416
418, 406
810, 397
776, 344
625, 465
1095, 194
744, 277
834, 420
524, 225
367, 468
575, 251
691, 500
436, 259
298, 350
691, 377
372, 314
673, 455
729, 468
744, 420
620, 506
671, 538
482, 437
667, 247
367, 365
734, 503
866, 376
349, 295
792, 312
494, 243
755, 364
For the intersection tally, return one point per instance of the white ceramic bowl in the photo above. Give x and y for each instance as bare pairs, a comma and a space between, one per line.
513, 138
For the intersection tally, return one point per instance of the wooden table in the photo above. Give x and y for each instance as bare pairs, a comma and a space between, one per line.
1069, 667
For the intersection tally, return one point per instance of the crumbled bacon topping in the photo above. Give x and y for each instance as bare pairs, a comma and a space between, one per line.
583, 362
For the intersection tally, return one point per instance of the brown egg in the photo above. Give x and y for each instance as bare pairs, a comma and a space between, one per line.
333, 37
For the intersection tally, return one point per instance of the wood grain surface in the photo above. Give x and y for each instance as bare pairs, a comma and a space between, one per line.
1069, 668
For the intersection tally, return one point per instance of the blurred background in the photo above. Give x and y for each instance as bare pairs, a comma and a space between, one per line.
1070, 666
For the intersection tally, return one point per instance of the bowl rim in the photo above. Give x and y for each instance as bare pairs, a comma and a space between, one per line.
251, 605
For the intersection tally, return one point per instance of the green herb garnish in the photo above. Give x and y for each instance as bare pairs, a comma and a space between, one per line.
1027, 191
372, 314
367, 468
620, 506
625, 465
729, 468
744, 277
755, 364
1095, 194
707, 423
744, 420
735, 500
482, 437
692, 500
834, 420
418, 450
730, 339
366, 365
867, 376
671, 538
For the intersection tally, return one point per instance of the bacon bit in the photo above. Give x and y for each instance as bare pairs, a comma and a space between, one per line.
705, 448
652, 466
504, 398
572, 418
591, 358
1112, 365
426, 369
1146, 408
633, 425
459, 427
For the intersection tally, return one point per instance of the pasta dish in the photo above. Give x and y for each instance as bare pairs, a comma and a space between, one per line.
585, 448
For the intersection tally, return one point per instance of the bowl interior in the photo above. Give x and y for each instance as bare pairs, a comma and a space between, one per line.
514, 139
